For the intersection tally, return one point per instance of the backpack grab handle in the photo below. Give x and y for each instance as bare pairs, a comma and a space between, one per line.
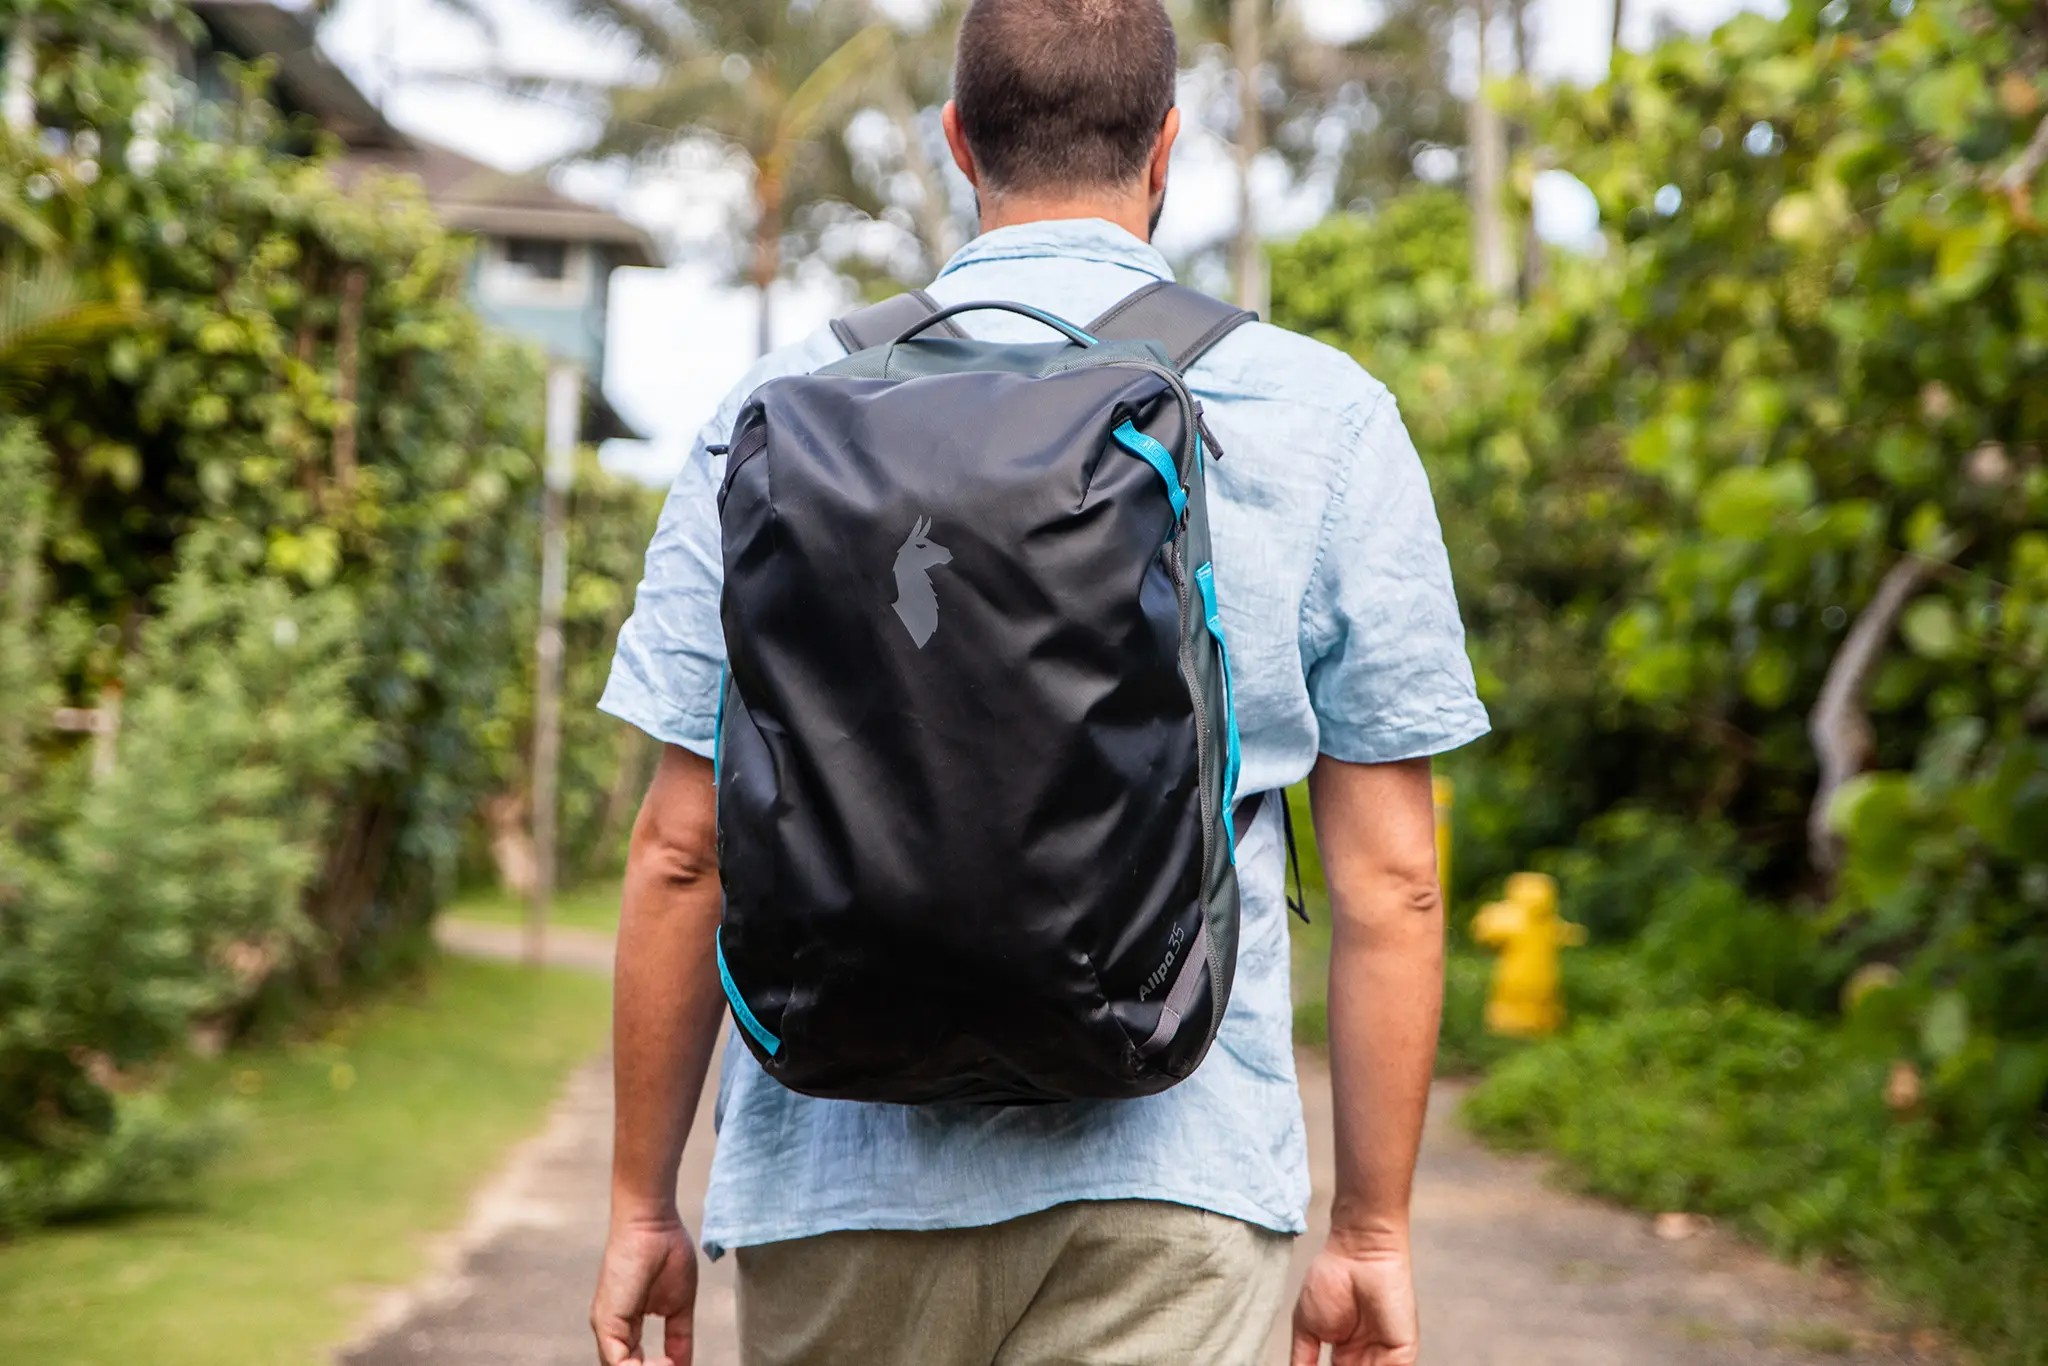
1057, 324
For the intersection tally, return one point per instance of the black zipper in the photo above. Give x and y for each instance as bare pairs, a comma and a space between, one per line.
1204, 745
1203, 742
1193, 435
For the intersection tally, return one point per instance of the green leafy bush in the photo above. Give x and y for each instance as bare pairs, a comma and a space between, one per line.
1799, 403
1811, 362
139, 900
307, 389
605, 765
274, 527
1779, 1125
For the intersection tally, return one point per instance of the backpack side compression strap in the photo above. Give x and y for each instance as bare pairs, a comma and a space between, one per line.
1185, 321
879, 324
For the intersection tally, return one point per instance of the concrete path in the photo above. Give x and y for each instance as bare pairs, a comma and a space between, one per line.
513, 1287
564, 946
1512, 1272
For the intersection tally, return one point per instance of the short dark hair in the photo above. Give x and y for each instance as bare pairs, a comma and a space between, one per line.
1063, 92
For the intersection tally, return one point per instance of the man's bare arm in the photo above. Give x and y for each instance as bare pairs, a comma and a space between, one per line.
1375, 826
665, 1016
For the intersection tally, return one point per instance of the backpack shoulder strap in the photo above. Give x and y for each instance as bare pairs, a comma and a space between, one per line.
881, 323
1185, 321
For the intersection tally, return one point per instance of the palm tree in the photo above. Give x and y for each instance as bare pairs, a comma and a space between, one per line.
1387, 88
47, 321
918, 79
762, 79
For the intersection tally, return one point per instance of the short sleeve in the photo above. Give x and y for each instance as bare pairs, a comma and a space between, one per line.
670, 659
1388, 677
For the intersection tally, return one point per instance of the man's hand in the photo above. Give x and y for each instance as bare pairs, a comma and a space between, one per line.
666, 1005
649, 1270
1359, 1298
1376, 826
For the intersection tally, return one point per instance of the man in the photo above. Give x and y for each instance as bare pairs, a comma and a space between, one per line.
1153, 1230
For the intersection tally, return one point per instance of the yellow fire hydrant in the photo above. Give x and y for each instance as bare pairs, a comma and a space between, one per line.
1524, 1000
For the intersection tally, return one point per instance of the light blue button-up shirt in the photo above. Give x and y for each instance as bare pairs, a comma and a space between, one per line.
1344, 640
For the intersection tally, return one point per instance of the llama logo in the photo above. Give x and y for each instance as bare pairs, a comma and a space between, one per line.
916, 604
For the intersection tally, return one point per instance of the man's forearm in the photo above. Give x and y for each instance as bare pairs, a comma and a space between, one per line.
666, 1000
1386, 993
1386, 986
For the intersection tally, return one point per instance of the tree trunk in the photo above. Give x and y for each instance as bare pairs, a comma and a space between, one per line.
1492, 266
1614, 35
934, 216
564, 408
1532, 263
1247, 257
1839, 727
767, 255
348, 364
629, 784
511, 839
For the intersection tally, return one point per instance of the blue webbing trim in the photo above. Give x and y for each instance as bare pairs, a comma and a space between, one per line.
740, 1009
718, 726
1205, 579
1159, 458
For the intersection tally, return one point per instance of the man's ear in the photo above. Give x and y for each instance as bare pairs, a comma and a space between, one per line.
1162, 153
949, 117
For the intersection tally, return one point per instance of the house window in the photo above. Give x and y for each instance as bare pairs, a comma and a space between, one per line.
536, 271
537, 258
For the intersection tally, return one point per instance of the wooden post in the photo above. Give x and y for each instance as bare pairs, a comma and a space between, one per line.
564, 409
1247, 259
102, 723
1492, 266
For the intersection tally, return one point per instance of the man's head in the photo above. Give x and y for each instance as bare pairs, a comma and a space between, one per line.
1065, 106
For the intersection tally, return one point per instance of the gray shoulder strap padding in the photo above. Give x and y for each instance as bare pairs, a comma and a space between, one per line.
1185, 321
879, 324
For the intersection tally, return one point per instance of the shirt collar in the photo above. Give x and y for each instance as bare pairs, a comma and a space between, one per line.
1083, 239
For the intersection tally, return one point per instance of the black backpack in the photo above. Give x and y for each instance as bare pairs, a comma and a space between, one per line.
976, 751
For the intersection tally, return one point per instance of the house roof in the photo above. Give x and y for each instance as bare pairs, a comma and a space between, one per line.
313, 84
472, 197
466, 194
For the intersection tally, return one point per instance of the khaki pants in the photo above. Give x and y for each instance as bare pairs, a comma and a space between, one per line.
1105, 1283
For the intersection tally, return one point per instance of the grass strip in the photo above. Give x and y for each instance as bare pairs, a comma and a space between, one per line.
352, 1146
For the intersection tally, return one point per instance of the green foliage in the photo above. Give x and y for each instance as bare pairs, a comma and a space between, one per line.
1814, 350
271, 523
606, 766
145, 1155
1816, 345
307, 391
45, 325
166, 890
1780, 1125
1382, 285
1464, 1045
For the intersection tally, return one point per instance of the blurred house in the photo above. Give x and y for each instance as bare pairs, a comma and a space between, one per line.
544, 261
